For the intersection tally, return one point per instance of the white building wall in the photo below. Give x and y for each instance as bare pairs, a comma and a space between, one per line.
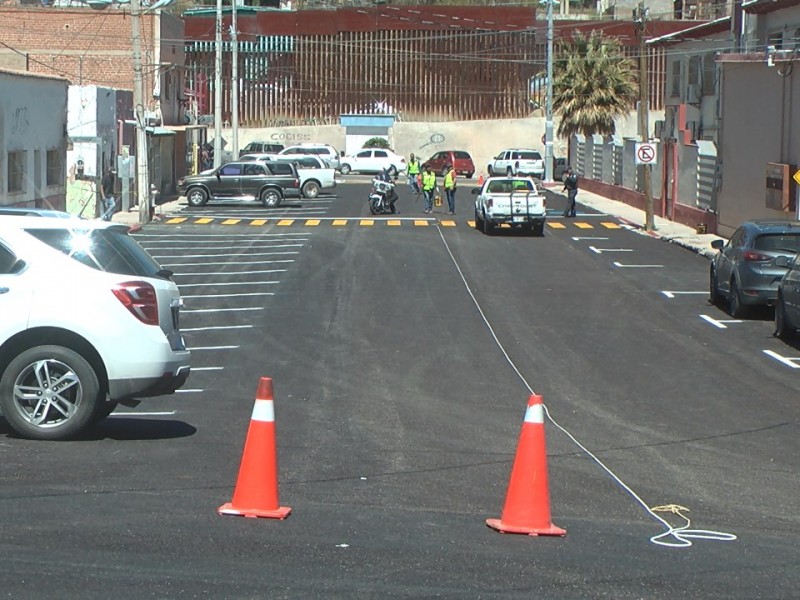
28, 130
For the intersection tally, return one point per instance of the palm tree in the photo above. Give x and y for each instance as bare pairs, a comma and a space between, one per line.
593, 83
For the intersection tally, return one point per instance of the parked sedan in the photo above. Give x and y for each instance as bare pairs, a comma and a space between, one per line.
744, 273
373, 160
248, 181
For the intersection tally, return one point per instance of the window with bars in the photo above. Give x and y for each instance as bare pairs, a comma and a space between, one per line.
16, 171
55, 168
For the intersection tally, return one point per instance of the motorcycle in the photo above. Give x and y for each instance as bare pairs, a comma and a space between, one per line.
382, 197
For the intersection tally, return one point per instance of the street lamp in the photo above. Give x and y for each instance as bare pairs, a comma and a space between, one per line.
548, 108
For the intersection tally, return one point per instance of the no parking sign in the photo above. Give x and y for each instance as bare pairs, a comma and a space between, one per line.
646, 154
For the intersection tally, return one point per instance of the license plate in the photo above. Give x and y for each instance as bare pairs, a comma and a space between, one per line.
518, 219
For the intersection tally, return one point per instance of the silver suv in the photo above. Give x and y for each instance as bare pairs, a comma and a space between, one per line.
325, 151
517, 161
90, 320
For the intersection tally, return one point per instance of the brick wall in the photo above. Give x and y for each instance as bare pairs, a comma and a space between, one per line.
84, 46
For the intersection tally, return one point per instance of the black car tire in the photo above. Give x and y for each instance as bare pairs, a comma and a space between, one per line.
310, 189
196, 197
271, 198
713, 288
537, 229
344, 169
104, 409
509, 172
488, 227
469, 175
79, 399
490, 171
478, 220
783, 328
735, 307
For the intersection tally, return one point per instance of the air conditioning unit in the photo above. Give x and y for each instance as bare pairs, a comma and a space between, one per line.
693, 94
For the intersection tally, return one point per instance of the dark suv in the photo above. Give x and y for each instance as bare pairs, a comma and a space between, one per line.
744, 272
267, 183
261, 148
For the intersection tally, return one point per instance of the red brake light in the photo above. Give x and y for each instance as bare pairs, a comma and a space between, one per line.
139, 297
755, 256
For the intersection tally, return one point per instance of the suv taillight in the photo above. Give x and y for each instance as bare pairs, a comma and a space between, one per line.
139, 297
754, 256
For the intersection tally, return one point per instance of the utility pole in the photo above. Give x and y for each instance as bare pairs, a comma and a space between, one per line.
142, 173
548, 105
640, 17
235, 82
218, 89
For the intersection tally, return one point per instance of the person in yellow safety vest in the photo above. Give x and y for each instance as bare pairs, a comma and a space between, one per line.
450, 189
428, 187
412, 173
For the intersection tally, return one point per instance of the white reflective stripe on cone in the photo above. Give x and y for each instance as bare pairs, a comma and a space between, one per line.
534, 414
263, 410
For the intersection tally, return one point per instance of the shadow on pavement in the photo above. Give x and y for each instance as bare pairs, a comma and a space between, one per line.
125, 429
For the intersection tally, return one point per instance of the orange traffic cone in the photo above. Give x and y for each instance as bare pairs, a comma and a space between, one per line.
527, 508
480, 178
256, 493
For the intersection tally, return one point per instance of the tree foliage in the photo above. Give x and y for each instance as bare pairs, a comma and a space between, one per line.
376, 142
593, 83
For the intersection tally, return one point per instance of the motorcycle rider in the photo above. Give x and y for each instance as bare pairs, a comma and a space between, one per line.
391, 196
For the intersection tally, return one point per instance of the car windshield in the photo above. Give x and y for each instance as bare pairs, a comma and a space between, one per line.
111, 250
464, 155
779, 242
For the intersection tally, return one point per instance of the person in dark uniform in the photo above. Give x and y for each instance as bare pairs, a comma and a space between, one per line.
571, 187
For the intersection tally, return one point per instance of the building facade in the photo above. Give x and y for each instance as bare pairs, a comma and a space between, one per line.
33, 140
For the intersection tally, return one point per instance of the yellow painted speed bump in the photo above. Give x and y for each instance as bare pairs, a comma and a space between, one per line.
556, 225
230, 221
339, 222
448, 223
611, 226
258, 222
312, 222
393, 223
204, 221
285, 222
367, 222
584, 226
176, 220
420, 223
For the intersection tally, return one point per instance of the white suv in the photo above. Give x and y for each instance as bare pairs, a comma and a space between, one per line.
314, 174
373, 160
326, 152
517, 161
90, 320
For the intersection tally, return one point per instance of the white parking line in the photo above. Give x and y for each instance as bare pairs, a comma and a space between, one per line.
578, 238
215, 284
789, 362
218, 327
238, 262
616, 264
196, 348
717, 323
229, 295
600, 250
201, 273
160, 256
672, 294
143, 414
193, 311
207, 369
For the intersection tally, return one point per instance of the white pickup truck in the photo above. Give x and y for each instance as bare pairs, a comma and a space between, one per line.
515, 201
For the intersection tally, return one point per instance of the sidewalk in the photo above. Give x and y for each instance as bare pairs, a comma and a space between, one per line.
668, 231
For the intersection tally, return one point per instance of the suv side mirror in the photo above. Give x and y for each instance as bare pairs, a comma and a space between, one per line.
717, 244
476, 191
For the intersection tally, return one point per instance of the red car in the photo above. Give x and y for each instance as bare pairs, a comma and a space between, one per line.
460, 159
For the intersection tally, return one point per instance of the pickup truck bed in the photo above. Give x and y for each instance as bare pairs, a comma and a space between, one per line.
514, 201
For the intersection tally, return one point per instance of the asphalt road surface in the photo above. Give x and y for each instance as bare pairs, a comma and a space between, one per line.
403, 353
